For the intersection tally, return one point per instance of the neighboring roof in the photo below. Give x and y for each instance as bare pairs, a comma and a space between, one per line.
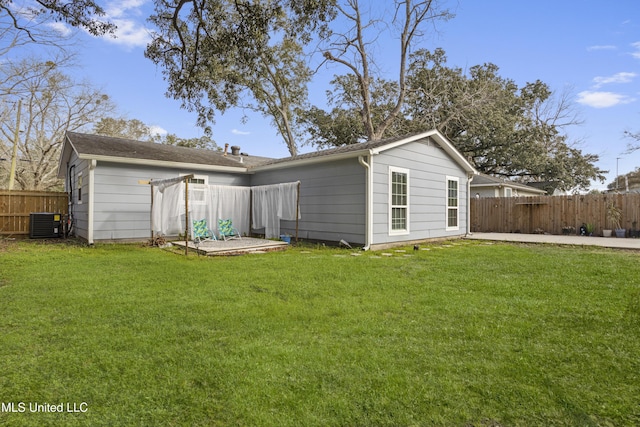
483, 180
374, 147
106, 148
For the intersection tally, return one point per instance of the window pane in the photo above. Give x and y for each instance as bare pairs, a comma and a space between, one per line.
398, 218
452, 217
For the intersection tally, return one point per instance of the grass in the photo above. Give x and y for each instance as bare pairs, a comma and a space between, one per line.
461, 334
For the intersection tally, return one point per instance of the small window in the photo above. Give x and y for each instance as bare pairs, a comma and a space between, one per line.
453, 203
79, 188
508, 192
197, 189
399, 201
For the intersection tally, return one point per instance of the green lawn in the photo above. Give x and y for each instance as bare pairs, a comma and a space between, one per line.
462, 334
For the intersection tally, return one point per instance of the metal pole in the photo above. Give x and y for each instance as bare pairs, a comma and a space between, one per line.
617, 174
297, 211
14, 157
186, 216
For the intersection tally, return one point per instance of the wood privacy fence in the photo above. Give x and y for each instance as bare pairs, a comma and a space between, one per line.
15, 207
550, 214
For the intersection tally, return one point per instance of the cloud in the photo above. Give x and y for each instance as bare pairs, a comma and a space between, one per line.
636, 46
602, 99
601, 47
118, 9
130, 34
157, 130
128, 17
616, 78
61, 28
239, 132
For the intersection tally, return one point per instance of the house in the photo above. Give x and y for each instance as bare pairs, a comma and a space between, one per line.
491, 186
374, 194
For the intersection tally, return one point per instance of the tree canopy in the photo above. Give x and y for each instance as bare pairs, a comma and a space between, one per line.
217, 54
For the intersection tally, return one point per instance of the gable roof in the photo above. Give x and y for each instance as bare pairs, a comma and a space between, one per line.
364, 148
120, 150
488, 181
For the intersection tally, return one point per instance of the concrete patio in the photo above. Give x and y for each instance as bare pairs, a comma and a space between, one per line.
606, 242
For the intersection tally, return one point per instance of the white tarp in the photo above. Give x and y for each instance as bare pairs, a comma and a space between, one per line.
270, 204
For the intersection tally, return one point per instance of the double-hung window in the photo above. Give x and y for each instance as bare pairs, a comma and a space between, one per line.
398, 200
453, 203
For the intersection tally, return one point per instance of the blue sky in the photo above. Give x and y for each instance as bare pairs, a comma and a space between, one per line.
588, 47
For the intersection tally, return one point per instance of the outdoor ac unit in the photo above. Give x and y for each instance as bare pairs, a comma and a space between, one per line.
44, 225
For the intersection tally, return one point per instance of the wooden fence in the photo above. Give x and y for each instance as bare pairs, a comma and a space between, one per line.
552, 214
15, 207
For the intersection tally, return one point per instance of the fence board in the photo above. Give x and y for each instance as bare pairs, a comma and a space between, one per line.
550, 214
15, 207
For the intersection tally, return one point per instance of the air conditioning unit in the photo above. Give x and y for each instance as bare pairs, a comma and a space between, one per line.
44, 225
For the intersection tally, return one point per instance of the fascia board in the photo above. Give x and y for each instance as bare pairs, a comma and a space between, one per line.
67, 149
310, 160
163, 163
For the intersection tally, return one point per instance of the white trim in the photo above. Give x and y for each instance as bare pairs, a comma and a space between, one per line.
91, 201
447, 207
163, 163
405, 231
368, 239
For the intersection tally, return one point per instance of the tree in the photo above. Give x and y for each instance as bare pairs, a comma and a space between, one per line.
137, 130
27, 18
52, 103
123, 128
635, 144
354, 49
216, 55
504, 130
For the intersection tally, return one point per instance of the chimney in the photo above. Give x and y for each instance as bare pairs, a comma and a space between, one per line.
226, 147
235, 150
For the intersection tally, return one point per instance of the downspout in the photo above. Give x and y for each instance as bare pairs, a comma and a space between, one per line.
470, 177
92, 166
368, 201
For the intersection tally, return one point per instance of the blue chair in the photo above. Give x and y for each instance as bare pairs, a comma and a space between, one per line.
200, 232
226, 230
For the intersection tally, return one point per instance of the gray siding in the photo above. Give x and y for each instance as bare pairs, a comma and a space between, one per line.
78, 208
122, 208
428, 167
332, 199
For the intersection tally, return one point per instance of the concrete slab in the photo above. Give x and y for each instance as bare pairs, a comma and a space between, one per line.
605, 242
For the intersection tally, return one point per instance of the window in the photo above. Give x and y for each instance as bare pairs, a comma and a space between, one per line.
453, 201
79, 187
508, 192
197, 189
399, 201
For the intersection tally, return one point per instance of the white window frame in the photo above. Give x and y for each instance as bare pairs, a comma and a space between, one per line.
198, 188
508, 192
404, 231
449, 207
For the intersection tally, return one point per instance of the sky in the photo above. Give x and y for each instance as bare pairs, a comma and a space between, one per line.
590, 48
